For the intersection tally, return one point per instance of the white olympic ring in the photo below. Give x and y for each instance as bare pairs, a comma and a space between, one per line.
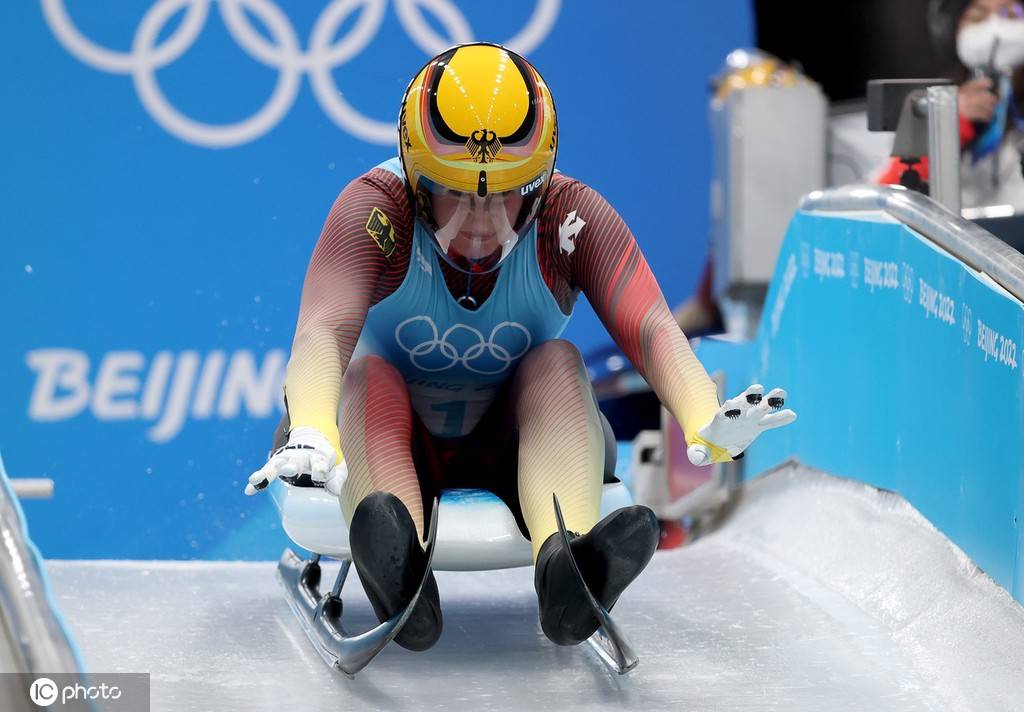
473, 353
284, 53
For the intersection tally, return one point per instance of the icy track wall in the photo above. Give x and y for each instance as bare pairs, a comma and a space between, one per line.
904, 365
156, 228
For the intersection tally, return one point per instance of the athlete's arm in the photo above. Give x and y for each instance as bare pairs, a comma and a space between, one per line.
340, 283
606, 264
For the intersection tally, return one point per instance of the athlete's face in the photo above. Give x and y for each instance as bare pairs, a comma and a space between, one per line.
481, 214
474, 233
477, 228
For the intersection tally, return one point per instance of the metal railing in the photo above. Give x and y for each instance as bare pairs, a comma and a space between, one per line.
35, 634
972, 244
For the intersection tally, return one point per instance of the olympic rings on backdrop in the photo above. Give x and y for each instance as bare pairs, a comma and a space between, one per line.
474, 357
284, 53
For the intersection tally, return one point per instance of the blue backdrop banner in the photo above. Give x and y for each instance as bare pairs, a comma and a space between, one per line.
168, 165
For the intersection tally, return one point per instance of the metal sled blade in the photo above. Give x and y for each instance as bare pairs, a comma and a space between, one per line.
320, 615
608, 641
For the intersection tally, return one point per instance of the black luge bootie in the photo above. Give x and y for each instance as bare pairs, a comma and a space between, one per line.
609, 556
390, 561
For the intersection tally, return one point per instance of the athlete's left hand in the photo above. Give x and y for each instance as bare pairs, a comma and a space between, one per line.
737, 423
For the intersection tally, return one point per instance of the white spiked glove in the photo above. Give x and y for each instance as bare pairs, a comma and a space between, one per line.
737, 423
308, 452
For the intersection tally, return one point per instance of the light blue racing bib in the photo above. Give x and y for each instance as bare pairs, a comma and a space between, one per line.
453, 359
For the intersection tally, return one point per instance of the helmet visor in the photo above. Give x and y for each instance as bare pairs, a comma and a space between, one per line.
476, 233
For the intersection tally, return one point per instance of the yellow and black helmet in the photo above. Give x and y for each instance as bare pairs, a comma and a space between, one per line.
476, 130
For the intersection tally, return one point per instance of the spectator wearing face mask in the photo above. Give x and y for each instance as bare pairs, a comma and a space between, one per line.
990, 44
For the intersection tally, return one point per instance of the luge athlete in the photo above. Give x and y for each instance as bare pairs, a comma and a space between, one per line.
427, 347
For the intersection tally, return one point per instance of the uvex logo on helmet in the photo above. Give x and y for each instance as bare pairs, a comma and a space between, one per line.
529, 188
477, 118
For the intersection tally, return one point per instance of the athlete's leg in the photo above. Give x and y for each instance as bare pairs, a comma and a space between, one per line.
562, 452
376, 437
381, 499
561, 443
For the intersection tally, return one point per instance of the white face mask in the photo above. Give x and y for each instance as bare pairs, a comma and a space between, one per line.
976, 42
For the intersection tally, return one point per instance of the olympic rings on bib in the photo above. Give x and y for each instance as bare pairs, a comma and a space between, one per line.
462, 345
281, 52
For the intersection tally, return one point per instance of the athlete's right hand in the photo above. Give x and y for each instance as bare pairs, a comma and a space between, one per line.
307, 452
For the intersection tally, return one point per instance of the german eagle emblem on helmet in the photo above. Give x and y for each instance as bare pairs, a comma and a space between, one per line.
483, 145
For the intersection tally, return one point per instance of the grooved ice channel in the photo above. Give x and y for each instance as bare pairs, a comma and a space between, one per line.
816, 593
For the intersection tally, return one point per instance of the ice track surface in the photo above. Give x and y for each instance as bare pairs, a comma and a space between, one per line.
815, 593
